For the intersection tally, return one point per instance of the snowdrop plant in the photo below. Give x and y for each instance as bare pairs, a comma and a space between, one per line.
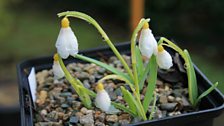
135, 76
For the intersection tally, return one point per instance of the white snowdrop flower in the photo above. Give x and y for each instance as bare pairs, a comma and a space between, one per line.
164, 59
66, 43
147, 42
57, 70
102, 98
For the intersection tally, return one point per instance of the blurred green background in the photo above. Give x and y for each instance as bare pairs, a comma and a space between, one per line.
29, 29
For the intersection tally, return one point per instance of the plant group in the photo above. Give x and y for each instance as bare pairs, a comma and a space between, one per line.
136, 76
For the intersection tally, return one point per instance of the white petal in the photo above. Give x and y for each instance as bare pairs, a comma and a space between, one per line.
164, 60
103, 100
66, 43
147, 43
72, 42
57, 70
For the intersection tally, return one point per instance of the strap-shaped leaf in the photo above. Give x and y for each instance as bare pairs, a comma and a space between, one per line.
139, 62
206, 92
130, 100
144, 76
192, 80
122, 107
151, 83
84, 97
104, 65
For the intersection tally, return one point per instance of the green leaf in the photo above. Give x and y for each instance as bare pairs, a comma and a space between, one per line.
139, 61
206, 92
192, 80
153, 107
144, 76
84, 97
130, 100
104, 65
151, 83
122, 107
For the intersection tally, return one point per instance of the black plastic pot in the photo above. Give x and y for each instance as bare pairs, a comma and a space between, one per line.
210, 107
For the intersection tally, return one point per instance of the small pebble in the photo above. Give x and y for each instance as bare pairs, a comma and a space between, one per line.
99, 124
73, 120
43, 112
42, 97
102, 117
64, 106
168, 106
163, 99
178, 99
124, 122
111, 118
84, 110
171, 98
66, 94
87, 120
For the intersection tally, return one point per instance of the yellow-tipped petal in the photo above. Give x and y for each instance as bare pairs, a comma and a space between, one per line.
146, 25
99, 87
65, 22
160, 48
56, 58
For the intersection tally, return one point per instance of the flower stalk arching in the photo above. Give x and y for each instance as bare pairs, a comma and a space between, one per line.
133, 54
101, 31
192, 80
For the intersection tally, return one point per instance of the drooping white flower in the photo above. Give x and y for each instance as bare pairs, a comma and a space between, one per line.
147, 42
66, 43
102, 98
164, 59
57, 70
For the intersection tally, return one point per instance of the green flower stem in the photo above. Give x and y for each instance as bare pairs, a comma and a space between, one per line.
104, 35
78, 86
133, 54
118, 77
192, 82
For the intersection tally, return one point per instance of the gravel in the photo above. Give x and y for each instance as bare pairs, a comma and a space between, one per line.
58, 104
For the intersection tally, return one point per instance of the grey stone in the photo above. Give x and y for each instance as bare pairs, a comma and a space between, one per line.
86, 84
66, 94
73, 120
87, 120
168, 106
64, 106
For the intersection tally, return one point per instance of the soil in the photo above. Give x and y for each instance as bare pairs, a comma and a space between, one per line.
58, 104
